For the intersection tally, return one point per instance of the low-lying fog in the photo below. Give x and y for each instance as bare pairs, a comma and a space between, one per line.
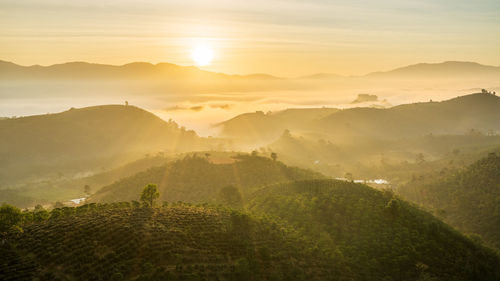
200, 110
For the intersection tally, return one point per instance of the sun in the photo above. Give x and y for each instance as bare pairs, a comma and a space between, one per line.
202, 55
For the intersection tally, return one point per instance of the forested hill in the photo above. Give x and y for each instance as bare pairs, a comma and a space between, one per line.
300, 230
196, 179
472, 113
119, 242
479, 112
468, 199
260, 125
78, 137
379, 236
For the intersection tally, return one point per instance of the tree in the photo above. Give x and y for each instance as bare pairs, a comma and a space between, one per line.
231, 196
150, 194
9, 216
274, 156
393, 207
58, 205
87, 189
349, 176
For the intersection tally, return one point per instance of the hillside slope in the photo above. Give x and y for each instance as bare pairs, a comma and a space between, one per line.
380, 236
175, 243
45, 192
460, 115
195, 179
455, 116
467, 198
261, 126
77, 138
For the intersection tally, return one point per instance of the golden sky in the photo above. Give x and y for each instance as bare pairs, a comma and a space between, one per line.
285, 38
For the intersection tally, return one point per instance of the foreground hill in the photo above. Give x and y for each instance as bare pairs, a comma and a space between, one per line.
380, 236
303, 230
196, 179
467, 198
175, 243
85, 138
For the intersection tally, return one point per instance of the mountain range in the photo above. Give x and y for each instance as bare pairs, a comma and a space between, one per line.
169, 71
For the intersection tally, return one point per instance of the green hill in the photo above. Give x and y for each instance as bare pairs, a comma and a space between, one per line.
380, 236
301, 230
47, 191
85, 139
467, 114
480, 112
196, 179
267, 126
395, 160
467, 198
117, 242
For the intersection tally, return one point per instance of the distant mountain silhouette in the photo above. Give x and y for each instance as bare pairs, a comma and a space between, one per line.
444, 69
144, 70
135, 70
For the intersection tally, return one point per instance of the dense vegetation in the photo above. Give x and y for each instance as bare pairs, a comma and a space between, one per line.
467, 198
196, 179
394, 160
180, 242
301, 230
379, 236
256, 218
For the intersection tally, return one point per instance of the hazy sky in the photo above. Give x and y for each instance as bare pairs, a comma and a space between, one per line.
287, 38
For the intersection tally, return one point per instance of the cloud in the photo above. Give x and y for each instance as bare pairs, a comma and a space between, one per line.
195, 108
221, 106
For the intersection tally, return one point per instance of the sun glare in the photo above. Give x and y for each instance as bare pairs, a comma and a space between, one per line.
202, 55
